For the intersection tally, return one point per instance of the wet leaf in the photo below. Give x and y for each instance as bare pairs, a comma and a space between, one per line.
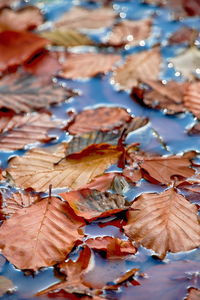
102, 118
133, 174
184, 35
192, 7
16, 47
38, 168
130, 32
7, 3
187, 62
194, 294
85, 65
25, 93
138, 67
39, 236
26, 18
6, 285
159, 222
67, 38
121, 279
80, 18
192, 98
113, 247
92, 204
20, 130
101, 183
168, 97
195, 129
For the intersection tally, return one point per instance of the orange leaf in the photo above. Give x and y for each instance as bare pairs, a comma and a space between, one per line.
192, 98
164, 222
40, 235
101, 183
194, 294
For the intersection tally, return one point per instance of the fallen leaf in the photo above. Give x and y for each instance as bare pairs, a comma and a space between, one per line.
130, 32
184, 35
7, 3
133, 174
92, 204
84, 65
40, 235
192, 7
195, 129
25, 93
20, 130
80, 18
192, 98
67, 38
123, 278
26, 18
16, 47
102, 118
187, 62
168, 97
113, 247
138, 67
39, 168
158, 222
101, 183
194, 294
6, 285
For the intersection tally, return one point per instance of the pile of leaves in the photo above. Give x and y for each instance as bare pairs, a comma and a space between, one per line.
53, 190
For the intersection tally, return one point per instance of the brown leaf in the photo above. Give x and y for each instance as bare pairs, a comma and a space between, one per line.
138, 67
25, 93
164, 222
80, 18
101, 183
195, 129
192, 7
187, 62
38, 168
40, 235
7, 3
121, 279
130, 32
192, 98
102, 118
168, 97
26, 18
6, 285
86, 65
20, 130
16, 47
194, 294
133, 174
113, 247
92, 204
184, 35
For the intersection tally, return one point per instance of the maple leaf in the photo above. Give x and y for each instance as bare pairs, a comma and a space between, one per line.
130, 32
158, 222
168, 97
92, 204
194, 294
192, 98
67, 38
113, 247
20, 130
184, 35
187, 62
102, 118
86, 65
26, 18
6, 285
24, 93
80, 18
40, 235
41, 168
16, 47
138, 67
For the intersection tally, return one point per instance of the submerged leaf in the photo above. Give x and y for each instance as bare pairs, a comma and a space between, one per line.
84, 65
164, 222
184, 35
40, 235
6, 285
192, 98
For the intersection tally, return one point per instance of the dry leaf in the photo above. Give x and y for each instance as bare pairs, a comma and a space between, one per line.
113, 247
194, 294
102, 118
168, 97
101, 183
86, 65
92, 204
164, 222
80, 18
39, 168
138, 67
26, 18
25, 93
184, 35
130, 32
6, 285
20, 130
67, 38
195, 129
192, 7
187, 62
40, 235
192, 98
16, 47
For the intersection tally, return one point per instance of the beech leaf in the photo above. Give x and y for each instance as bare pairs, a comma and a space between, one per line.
101, 183
6, 285
192, 98
164, 222
194, 294
195, 129
184, 35
138, 67
40, 235
85, 65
